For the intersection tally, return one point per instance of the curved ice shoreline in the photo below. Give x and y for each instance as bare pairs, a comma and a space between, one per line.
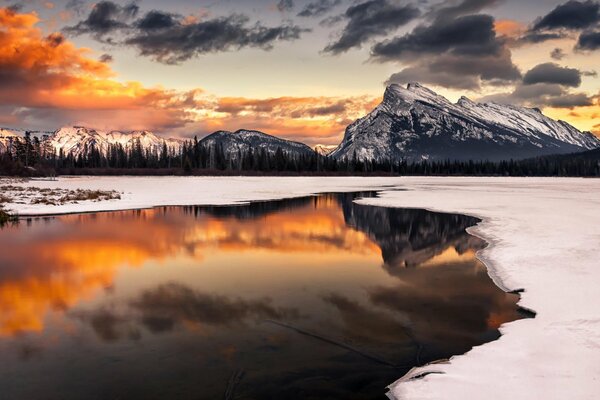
544, 235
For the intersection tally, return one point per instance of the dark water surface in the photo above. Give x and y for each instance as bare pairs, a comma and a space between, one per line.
313, 298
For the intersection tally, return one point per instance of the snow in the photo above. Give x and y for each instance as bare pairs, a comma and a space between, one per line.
545, 239
415, 114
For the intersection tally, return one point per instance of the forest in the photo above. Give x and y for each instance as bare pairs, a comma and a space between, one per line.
35, 157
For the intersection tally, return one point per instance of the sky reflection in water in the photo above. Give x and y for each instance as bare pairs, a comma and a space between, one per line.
308, 298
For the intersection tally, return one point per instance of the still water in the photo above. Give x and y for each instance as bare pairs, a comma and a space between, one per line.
312, 298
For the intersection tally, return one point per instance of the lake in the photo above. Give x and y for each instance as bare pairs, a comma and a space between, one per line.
309, 298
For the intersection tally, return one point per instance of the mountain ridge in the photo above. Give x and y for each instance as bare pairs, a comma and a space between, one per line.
415, 123
412, 123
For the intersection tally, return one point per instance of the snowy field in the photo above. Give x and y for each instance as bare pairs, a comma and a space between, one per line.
545, 236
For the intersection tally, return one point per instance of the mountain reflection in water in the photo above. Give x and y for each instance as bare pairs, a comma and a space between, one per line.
311, 298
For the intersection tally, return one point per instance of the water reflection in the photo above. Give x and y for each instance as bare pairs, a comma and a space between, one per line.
308, 298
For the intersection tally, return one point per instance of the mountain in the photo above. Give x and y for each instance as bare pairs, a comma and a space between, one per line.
324, 150
415, 123
241, 141
76, 140
8, 134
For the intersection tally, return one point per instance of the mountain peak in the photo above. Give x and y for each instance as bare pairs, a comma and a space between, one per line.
414, 91
415, 123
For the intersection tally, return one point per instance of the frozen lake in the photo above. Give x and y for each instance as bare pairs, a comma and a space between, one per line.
314, 297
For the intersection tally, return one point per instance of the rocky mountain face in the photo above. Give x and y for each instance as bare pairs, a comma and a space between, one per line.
241, 141
415, 123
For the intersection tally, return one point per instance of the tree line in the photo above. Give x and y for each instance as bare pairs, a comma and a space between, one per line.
30, 156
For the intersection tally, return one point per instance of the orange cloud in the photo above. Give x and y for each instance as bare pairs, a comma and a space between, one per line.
48, 81
509, 28
309, 119
584, 118
49, 72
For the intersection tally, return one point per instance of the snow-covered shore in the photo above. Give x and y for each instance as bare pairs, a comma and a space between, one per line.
545, 236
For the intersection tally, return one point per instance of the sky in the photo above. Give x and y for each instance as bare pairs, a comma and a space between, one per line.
299, 69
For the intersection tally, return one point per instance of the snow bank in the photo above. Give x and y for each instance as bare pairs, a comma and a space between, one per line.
545, 236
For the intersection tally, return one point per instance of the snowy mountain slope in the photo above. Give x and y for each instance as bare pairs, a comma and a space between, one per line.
77, 140
241, 141
415, 123
8, 134
324, 150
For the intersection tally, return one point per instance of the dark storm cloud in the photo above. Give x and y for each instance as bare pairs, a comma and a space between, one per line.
370, 19
318, 8
457, 53
169, 40
588, 41
557, 54
471, 34
570, 15
539, 37
542, 95
571, 100
553, 73
453, 9
156, 20
106, 58
105, 17
285, 5
547, 85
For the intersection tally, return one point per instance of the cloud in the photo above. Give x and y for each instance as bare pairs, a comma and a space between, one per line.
47, 75
285, 5
452, 9
542, 95
573, 15
459, 53
171, 39
370, 19
557, 54
106, 58
313, 120
539, 37
105, 17
156, 20
553, 73
319, 8
563, 20
588, 41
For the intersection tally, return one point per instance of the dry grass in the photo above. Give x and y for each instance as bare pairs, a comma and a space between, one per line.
34, 195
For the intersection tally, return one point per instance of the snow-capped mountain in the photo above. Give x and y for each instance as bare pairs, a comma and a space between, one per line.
241, 141
323, 149
78, 140
8, 134
415, 123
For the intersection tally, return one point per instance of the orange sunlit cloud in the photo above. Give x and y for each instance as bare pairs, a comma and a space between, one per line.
509, 28
43, 72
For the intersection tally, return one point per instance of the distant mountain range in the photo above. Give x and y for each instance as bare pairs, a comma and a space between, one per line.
410, 124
